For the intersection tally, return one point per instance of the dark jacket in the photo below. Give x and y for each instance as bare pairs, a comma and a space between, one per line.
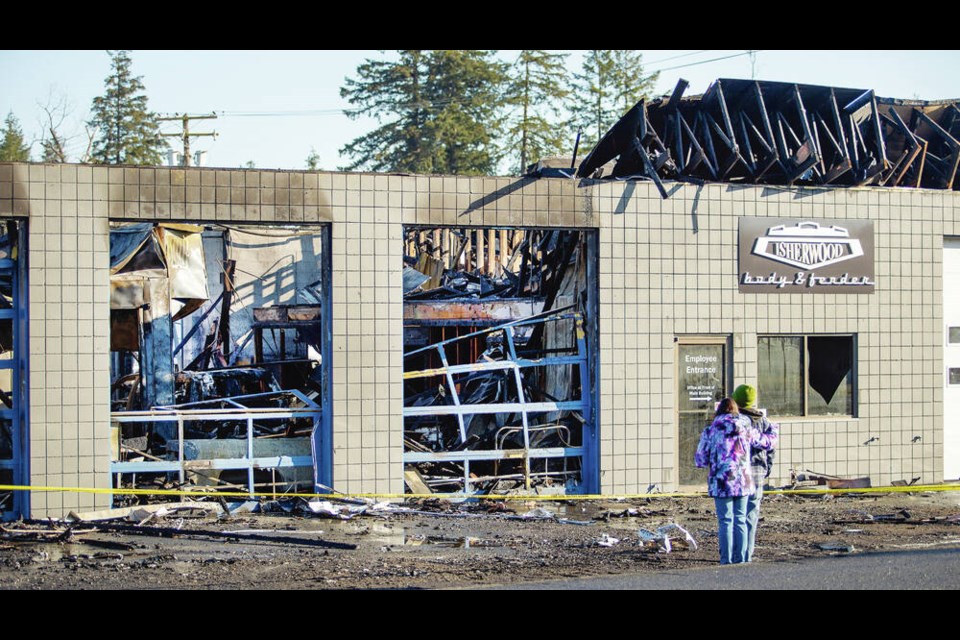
760, 457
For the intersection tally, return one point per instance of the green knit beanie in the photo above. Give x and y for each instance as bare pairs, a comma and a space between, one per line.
745, 396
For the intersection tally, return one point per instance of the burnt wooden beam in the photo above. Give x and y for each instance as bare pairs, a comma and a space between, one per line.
229, 267
949, 169
837, 170
764, 117
708, 144
678, 141
733, 155
800, 160
821, 169
881, 146
771, 158
652, 174
782, 148
854, 150
804, 123
922, 158
860, 107
841, 151
911, 150
725, 116
677, 94
782, 119
841, 138
701, 155
642, 133
748, 157
954, 120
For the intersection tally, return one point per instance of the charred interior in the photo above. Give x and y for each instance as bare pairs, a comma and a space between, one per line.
216, 370
12, 365
497, 373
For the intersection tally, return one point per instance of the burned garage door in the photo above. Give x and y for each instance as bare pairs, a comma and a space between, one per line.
220, 340
500, 376
13, 369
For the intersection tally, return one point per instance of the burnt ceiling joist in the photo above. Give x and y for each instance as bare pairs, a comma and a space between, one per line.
757, 132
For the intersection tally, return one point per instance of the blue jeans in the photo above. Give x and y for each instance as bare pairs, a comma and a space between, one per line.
753, 511
732, 522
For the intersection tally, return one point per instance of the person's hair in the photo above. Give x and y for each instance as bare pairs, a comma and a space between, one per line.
727, 405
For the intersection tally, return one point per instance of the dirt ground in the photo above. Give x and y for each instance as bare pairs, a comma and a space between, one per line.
458, 546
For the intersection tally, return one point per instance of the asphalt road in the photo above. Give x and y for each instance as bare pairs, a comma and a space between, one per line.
914, 569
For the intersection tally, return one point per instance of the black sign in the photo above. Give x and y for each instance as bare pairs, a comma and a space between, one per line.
780, 255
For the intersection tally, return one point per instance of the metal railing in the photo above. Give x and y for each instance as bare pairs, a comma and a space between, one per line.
522, 406
237, 411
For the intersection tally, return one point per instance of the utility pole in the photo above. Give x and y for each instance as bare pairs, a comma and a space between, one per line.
185, 134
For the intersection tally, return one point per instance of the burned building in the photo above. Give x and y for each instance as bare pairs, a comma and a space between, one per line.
273, 330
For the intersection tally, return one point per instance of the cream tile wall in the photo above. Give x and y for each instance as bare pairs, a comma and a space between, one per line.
667, 268
69, 330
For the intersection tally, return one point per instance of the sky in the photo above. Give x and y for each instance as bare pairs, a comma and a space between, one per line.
274, 107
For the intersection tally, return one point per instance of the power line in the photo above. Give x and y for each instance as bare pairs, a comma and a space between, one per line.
444, 103
682, 55
693, 64
304, 112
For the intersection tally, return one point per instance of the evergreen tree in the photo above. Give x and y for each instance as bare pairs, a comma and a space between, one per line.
127, 131
13, 148
610, 83
313, 160
437, 112
537, 87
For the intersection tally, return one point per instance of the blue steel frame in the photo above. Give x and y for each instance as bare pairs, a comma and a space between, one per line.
198, 411
587, 453
16, 268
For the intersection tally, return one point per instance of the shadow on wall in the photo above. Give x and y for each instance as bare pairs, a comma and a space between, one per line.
272, 268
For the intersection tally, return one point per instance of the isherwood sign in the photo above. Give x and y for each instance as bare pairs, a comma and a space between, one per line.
779, 255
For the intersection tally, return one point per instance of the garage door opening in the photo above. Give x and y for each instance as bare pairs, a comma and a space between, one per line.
220, 367
500, 376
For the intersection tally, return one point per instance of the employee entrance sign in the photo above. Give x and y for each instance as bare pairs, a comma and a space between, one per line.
780, 255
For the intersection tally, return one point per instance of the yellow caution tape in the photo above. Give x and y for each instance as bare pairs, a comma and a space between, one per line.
460, 496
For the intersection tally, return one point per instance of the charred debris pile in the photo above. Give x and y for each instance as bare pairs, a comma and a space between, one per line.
496, 383
781, 133
215, 355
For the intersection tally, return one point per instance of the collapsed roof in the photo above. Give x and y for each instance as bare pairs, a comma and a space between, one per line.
783, 133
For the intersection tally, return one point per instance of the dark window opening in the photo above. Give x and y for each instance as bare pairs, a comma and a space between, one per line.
806, 375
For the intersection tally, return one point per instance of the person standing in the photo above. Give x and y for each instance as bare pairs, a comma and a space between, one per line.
761, 460
725, 448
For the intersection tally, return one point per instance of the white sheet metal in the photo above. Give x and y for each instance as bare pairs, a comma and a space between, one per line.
951, 358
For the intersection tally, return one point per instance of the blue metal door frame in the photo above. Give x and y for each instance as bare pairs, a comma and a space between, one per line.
323, 435
14, 265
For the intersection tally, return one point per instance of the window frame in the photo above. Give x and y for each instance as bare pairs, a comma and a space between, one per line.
805, 363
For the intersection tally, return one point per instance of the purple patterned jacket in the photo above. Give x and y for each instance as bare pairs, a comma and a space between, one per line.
725, 448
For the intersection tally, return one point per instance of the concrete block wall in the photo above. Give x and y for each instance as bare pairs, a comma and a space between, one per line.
69, 291
667, 268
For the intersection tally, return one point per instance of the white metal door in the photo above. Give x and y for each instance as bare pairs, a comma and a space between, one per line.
951, 358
